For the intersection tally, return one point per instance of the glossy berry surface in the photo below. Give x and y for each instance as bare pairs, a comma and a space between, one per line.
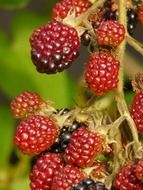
66, 178
25, 104
132, 20
137, 111
64, 137
139, 169
65, 7
54, 47
110, 33
140, 14
127, 180
89, 184
43, 171
35, 134
102, 72
83, 147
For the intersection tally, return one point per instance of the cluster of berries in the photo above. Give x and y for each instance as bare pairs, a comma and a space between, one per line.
63, 152
69, 151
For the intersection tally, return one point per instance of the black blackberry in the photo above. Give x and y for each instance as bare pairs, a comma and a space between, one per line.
132, 20
65, 134
89, 184
85, 38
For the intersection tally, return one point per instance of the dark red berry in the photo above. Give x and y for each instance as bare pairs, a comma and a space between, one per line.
54, 47
127, 180
102, 72
63, 8
83, 147
137, 111
66, 178
139, 169
35, 134
25, 104
140, 14
43, 171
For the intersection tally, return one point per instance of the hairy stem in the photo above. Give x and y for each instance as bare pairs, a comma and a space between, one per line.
122, 106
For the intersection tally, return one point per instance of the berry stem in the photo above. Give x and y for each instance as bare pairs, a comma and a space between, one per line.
135, 44
121, 103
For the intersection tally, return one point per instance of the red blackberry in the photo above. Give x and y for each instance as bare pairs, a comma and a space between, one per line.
139, 170
110, 33
140, 14
127, 180
54, 47
25, 104
66, 178
137, 111
102, 72
89, 184
43, 171
64, 137
63, 8
35, 134
83, 147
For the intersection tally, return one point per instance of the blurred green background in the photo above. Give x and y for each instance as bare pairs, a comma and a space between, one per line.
18, 19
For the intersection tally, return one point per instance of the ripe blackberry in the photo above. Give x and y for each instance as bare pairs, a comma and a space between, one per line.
63, 8
89, 184
140, 14
102, 72
132, 20
35, 134
54, 47
85, 38
43, 171
127, 180
64, 137
137, 111
139, 170
66, 178
83, 147
25, 104
110, 33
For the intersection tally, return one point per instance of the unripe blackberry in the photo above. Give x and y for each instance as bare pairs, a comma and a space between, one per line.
110, 33
83, 147
35, 134
63, 8
66, 178
127, 180
137, 111
54, 47
140, 14
25, 104
102, 72
43, 171
139, 169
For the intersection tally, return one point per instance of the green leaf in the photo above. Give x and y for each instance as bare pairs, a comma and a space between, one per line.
19, 74
129, 97
11, 4
6, 131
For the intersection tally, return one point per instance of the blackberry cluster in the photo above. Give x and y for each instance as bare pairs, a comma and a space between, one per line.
89, 184
63, 139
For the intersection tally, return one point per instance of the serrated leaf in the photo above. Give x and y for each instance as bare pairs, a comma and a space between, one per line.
19, 73
11, 4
